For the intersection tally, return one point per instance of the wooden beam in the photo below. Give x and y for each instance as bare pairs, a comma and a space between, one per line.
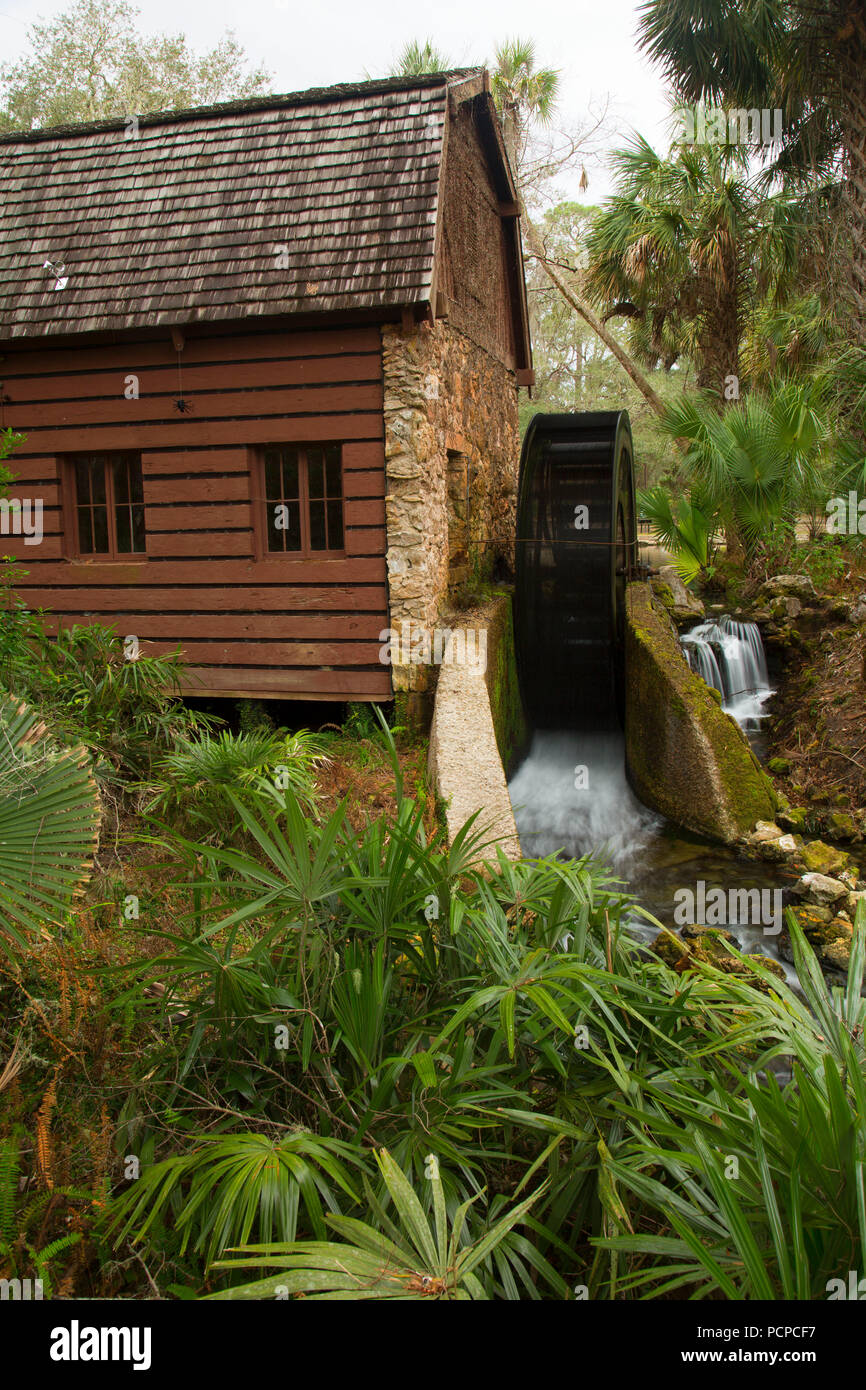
525, 376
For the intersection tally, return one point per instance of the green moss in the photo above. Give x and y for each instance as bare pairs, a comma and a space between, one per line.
842, 826
780, 767
503, 687
824, 859
686, 757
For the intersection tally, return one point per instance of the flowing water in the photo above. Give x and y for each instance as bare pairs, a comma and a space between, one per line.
571, 796
729, 656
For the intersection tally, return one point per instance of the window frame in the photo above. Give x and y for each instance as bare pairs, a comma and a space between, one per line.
69, 497
260, 502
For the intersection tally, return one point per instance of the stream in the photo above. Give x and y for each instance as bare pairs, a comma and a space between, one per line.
570, 795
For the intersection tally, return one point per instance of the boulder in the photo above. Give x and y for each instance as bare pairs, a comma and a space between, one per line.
818, 888
819, 858
683, 605
797, 586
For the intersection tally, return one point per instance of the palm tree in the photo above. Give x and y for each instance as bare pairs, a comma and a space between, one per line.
805, 57
686, 247
523, 94
418, 58
49, 825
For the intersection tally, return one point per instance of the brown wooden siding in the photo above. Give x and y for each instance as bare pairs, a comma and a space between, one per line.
277, 626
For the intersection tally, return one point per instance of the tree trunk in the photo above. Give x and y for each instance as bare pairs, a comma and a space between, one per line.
533, 242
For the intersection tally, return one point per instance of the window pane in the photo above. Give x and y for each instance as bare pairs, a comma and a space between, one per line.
333, 472
136, 485
139, 541
315, 473
100, 530
97, 480
335, 526
290, 473
85, 531
317, 526
284, 526
124, 534
82, 482
121, 480
273, 483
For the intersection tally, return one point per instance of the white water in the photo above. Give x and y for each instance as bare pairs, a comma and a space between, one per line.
570, 794
729, 656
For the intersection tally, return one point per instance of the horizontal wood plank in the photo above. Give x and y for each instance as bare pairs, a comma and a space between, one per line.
370, 598
192, 381
247, 627
248, 683
211, 405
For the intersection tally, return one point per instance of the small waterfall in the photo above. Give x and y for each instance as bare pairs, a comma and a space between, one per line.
571, 794
729, 656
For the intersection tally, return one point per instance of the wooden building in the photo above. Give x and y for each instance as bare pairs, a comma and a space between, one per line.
265, 356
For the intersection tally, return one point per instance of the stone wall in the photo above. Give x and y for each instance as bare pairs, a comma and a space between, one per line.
452, 454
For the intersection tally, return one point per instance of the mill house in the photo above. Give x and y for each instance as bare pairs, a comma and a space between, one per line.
265, 356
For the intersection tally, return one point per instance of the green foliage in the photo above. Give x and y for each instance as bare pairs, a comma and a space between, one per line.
124, 710
91, 64
684, 528
762, 1184
232, 1187
688, 244
22, 1255
194, 779
756, 463
49, 819
418, 57
408, 1257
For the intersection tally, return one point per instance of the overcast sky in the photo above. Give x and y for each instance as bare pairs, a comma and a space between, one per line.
319, 42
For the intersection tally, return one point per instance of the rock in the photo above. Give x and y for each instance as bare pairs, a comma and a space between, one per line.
837, 954
842, 826
857, 611
764, 830
789, 585
785, 607
779, 766
682, 603
818, 888
824, 859
793, 818
709, 938
853, 901
812, 916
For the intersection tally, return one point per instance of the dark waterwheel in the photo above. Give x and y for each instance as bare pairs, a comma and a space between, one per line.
576, 550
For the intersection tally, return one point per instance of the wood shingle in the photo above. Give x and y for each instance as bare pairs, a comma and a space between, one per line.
319, 202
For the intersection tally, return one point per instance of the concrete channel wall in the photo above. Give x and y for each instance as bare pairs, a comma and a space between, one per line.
478, 723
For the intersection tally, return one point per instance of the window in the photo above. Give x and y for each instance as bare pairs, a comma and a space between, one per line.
108, 498
303, 489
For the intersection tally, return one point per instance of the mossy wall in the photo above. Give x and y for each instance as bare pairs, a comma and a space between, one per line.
503, 687
685, 757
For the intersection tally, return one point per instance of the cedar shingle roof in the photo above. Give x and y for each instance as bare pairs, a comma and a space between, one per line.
321, 200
